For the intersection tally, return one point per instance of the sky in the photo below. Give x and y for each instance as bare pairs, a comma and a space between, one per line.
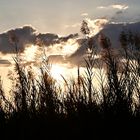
30, 19
63, 16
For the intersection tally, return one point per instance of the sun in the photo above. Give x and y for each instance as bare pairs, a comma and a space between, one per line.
57, 71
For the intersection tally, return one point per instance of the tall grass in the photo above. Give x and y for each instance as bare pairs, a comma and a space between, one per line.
41, 109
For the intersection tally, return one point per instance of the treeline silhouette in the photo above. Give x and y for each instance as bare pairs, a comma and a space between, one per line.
39, 108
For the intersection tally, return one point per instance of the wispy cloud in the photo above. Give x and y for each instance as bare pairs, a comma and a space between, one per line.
84, 14
73, 25
114, 6
120, 7
102, 7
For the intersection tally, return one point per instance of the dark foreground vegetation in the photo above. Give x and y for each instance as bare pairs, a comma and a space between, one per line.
39, 109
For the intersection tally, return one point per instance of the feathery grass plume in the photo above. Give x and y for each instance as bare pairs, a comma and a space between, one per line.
85, 29
41, 108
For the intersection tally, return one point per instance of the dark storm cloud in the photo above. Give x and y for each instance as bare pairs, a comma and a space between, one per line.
71, 36
50, 39
46, 39
24, 35
27, 35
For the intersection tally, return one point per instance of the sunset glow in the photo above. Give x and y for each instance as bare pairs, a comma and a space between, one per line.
60, 71
57, 71
29, 53
63, 48
69, 69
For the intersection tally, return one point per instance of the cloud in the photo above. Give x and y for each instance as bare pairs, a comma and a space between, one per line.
56, 59
4, 62
102, 7
51, 39
26, 36
84, 14
119, 12
114, 6
62, 48
66, 38
46, 39
120, 7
